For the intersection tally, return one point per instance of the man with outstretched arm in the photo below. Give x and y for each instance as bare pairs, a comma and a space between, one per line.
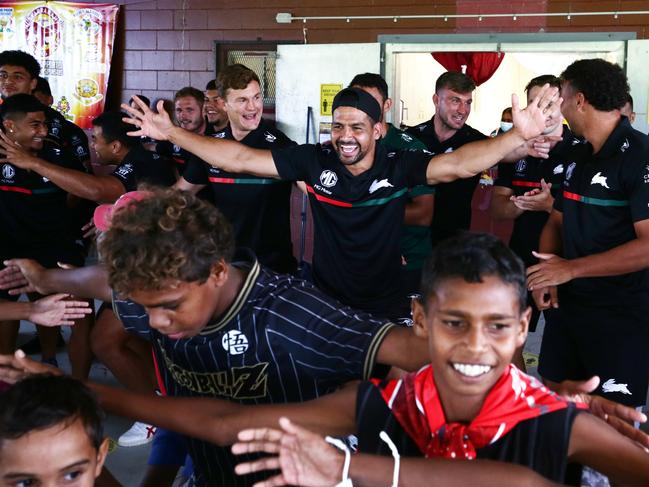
357, 189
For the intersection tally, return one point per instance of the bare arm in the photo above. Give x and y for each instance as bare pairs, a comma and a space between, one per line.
598, 445
183, 185
218, 421
502, 207
228, 155
26, 275
102, 189
402, 348
419, 211
551, 240
632, 256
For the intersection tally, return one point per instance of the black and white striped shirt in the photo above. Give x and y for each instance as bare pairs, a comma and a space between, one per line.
282, 340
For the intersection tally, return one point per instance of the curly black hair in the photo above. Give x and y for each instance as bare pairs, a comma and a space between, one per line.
603, 84
22, 59
168, 237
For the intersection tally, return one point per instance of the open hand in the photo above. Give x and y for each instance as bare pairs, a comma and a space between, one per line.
539, 113
55, 310
149, 123
303, 457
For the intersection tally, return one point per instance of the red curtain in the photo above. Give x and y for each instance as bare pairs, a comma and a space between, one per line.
480, 66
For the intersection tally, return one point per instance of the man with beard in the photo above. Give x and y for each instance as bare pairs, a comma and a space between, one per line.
446, 132
357, 190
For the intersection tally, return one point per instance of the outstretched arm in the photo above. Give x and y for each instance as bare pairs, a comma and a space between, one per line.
102, 189
305, 458
596, 444
48, 311
27, 275
473, 158
228, 155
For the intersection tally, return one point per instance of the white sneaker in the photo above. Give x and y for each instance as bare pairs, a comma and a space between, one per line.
139, 434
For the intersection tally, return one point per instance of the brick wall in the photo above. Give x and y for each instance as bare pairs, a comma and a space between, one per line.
163, 45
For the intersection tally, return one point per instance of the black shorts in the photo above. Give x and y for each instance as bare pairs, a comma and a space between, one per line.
69, 252
612, 343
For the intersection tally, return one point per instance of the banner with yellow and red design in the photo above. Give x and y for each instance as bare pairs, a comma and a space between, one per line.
73, 42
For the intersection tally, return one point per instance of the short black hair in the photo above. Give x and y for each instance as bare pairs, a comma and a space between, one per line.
371, 80
195, 93
211, 85
544, 79
473, 256
603, 84
145, 99
629, 100
43, 86
43, 401
17, 106
114, 128
456, 81
22, 59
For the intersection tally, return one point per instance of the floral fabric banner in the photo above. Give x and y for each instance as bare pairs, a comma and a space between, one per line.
73, 42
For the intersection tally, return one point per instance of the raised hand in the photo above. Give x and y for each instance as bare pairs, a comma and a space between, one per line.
149, 123
303, 457
539, 114
54, 310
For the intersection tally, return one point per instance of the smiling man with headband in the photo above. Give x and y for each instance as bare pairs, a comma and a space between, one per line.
357, 189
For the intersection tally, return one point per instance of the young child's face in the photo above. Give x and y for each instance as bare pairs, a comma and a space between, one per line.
473, 331
60, 455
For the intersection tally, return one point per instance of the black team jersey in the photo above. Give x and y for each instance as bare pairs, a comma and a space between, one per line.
281, 340
70, 138
525, 175
452, 200
33, 210
258, 208
357, 222
142, 166
603, 195
539, 443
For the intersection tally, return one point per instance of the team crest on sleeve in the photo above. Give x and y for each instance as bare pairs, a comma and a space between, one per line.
570, 169
219, 135
234, 342
328, 178
269, 137
8, 171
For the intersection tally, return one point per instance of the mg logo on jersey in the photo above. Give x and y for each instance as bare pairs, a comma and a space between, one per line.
234, 342
8, 172
328, 178
521, 165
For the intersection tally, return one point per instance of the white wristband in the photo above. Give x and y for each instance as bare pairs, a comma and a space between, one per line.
395, 454
346, 481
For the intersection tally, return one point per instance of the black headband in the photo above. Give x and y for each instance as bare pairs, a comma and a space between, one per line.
359, 99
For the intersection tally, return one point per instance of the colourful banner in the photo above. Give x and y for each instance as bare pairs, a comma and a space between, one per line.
73, 42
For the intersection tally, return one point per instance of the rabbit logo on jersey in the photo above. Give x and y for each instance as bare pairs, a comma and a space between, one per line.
234, 342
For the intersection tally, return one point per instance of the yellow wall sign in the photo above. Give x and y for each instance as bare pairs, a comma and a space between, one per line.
327, 94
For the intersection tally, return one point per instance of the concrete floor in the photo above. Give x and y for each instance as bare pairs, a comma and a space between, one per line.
128, 464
